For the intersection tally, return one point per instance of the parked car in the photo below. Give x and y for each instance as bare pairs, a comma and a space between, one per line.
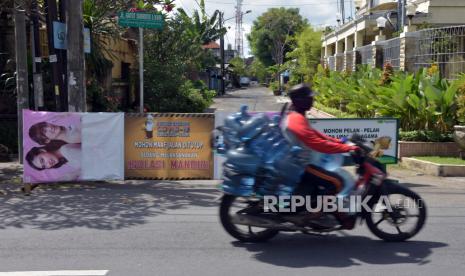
245, 81
253, 81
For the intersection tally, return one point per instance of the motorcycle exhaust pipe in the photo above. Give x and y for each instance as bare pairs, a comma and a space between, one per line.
255, 221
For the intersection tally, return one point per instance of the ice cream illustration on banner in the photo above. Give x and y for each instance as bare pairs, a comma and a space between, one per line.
149, 127
379, 145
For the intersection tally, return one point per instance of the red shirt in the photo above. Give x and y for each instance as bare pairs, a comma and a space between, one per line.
299, 126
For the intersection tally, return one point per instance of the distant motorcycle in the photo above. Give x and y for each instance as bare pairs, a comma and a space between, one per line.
244, 217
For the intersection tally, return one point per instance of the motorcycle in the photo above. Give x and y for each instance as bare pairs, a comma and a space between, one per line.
396, 213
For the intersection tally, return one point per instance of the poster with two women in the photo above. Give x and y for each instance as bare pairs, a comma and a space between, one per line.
72, 146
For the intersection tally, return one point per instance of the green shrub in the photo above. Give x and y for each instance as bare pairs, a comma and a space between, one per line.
333, 111
186, 99
461, 99
425, 136
206, 93
421, 101
100, 101
274, 86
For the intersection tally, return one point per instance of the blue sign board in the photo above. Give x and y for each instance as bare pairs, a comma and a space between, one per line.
59, 37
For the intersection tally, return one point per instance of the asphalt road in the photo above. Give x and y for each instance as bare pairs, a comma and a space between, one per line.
256, 98
172, 228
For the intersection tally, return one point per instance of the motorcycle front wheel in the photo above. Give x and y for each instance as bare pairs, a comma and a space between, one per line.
231, 206
398, 216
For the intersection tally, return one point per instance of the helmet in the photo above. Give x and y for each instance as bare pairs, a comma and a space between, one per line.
302, 97
300, 91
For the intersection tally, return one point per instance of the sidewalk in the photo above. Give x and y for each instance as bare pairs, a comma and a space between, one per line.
11, 181
10, 177
313, 113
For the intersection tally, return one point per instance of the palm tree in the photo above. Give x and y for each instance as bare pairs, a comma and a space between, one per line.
203, 28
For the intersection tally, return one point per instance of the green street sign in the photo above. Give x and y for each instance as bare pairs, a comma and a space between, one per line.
140, 20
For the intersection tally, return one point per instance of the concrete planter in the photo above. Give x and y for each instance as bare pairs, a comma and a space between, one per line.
277, 93
459, 138
433, 168
445, 149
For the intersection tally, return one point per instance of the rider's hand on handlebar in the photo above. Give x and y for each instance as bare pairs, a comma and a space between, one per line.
344, 140
357, 154
356, 151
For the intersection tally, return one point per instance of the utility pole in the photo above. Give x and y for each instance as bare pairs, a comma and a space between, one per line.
58, 83
37, 58
22, 83
62, 59
141, 69
343, 11
75, 55
223, 88
404, 14
238, 38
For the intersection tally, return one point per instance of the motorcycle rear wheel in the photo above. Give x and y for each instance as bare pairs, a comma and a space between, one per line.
398, 216
252, 236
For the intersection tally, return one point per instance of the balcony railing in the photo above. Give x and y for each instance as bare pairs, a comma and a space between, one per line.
391, 52
444, 47
366, 54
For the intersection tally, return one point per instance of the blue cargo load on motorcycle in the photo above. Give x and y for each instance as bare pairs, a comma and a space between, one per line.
259, 159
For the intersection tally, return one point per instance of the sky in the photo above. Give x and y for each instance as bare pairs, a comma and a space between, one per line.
318, 12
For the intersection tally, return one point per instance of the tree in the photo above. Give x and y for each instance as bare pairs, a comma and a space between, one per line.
238, 69
258, 70
307, 54
104, 29
99, 17
272, 34
171, 54
201, 27
239, 66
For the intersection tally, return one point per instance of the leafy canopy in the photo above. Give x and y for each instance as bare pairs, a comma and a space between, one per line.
272, 34
307, 54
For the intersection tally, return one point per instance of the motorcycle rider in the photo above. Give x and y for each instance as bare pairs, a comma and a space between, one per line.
299, 131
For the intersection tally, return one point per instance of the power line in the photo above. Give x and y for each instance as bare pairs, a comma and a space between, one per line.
281, 5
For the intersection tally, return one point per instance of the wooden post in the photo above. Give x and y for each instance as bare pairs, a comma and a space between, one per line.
22, 80
222, 87
141, 70
58, 83
27, 189
75, 54
63, 63
37, 59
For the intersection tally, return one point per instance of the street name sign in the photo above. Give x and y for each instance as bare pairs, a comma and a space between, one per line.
140, 19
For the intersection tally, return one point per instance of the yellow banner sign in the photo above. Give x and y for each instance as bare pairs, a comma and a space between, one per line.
168, 146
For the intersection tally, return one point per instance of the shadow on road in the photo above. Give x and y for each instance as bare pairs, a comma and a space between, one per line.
301, 251
98, 205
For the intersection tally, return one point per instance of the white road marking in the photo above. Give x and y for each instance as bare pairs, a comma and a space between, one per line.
56, 273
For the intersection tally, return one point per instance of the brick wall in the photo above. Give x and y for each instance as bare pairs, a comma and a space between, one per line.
407, 149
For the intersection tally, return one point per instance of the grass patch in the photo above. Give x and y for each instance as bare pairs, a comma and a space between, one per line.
333, 111
387, 159
441, 160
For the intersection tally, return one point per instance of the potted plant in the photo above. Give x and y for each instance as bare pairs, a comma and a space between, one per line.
459, 130
459, 138
274, 86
